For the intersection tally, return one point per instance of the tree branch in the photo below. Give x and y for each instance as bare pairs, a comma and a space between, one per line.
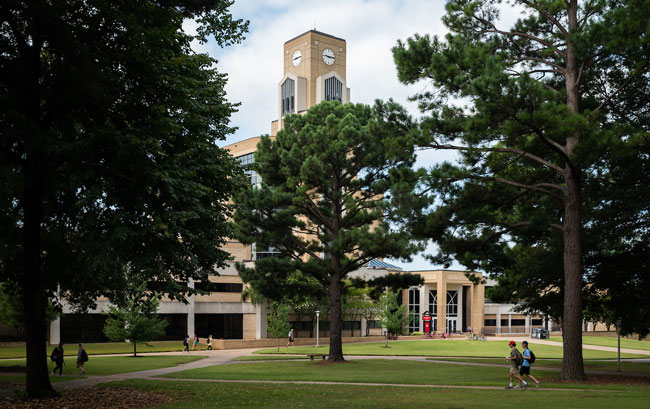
549, 16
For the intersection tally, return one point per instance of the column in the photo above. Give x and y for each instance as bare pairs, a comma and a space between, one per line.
424, 305
498, 322
55, 331
509, 323
260, 321
527, 324
442, 305
190, 311
364, 325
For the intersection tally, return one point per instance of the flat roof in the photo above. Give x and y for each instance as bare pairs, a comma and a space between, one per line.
317, 32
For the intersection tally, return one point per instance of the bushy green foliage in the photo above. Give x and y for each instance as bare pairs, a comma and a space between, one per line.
277, 320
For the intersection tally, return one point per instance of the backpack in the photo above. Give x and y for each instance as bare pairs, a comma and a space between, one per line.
520, 358
531, 360
53, 356
185, 341
56, 353
84, 355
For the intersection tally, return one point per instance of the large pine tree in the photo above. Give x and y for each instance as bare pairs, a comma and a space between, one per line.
537, 104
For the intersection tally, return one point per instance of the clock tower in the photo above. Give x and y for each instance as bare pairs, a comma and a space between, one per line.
314, 71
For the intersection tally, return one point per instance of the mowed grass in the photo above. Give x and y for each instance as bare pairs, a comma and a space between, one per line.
269, 357
626, 366
114, 364
203, 395
101, 348
630, 343
446, 348
385, 371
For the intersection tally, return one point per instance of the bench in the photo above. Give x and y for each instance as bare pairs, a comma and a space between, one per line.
323, 356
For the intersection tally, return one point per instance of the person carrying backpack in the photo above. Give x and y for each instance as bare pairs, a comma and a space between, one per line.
529, 358
57, 357
82, 358
516, 359
186, 344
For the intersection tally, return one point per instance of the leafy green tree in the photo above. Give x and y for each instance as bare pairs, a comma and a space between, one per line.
392, 316
543, 101
108, 124
322, 203
277, 321
135, 320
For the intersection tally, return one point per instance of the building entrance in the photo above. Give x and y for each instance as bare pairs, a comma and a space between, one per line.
451, 324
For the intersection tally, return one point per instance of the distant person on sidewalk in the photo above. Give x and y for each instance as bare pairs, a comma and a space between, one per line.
186, 344
82, 358
515, 359
57, 357
196, 343
210, 343
290, 343
525, 366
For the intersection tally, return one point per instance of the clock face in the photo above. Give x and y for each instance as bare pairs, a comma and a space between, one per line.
328, 56
297, 57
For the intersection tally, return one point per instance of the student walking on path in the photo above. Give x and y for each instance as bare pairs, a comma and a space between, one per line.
525, 366
57, 357
210, 343
82, 358
290, 338
186, 344
515, 359
196, 343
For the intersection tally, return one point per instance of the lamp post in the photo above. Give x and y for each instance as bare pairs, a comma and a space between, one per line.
317, 327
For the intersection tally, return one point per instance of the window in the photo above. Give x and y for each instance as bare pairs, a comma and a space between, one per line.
433, 302
504, 323
333, 89
518, 323
246, 161
266, 252
452, 303
219, 287
490, 323
414, 308
536, 321
374, 324
351, 324
288, 93
303, 325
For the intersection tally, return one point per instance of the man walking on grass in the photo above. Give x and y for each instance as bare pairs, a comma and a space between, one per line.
515, 359
525, 366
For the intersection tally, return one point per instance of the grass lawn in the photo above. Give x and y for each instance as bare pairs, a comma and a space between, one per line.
626, 366
446, 348
372, 371
199, 395
102, 348
114, 364
631, 343
269, 357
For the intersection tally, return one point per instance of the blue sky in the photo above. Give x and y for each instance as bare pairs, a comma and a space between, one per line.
371, 28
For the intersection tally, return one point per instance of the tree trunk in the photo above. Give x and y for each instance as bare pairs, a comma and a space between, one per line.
37, 381
336, 344
134, 353
572, 363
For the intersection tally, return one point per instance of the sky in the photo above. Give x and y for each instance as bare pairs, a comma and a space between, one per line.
371, 29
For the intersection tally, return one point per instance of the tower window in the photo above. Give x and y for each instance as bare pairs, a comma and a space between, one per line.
287, 93
333, 89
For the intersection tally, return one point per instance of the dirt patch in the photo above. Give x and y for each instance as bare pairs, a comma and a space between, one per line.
95, 398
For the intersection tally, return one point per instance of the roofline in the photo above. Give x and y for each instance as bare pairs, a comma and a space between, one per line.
317, 32
446, 271
240, 141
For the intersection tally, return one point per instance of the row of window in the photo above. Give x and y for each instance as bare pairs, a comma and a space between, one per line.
325, 325
219, 287
514, 323
414, 306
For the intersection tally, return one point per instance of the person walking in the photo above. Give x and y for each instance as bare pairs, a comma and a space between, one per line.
210, 343
514, 357
82, 358
57, 357
186, 344
525, 366
196, 343
290, 343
